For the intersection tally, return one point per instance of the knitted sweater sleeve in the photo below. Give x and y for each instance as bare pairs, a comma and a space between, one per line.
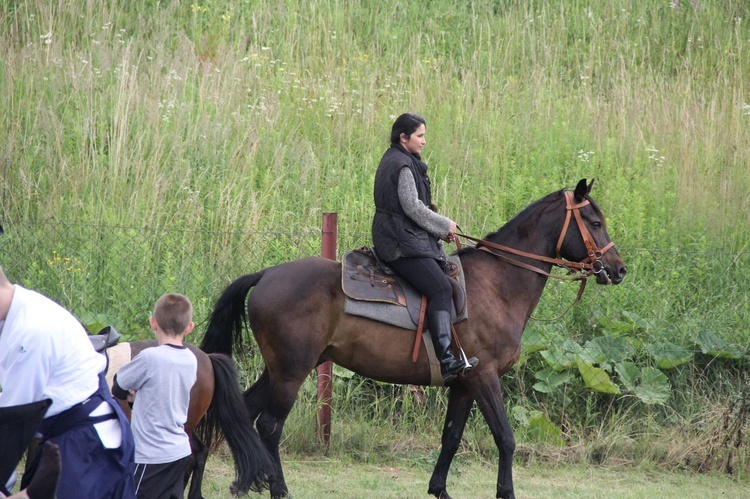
437, 225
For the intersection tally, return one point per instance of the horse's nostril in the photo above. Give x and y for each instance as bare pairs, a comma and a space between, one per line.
623, 271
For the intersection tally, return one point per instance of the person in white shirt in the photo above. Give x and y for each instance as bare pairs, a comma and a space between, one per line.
45, 354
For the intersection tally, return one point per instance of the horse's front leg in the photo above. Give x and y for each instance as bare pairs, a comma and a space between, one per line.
487, 391
196, 466
459, 406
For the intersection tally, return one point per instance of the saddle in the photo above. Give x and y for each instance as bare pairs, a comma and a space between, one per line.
367, 278
105, 338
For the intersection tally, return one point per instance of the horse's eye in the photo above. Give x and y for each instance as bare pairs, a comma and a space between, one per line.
596, 225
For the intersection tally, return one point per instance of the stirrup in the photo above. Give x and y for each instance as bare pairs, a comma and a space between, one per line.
469, 364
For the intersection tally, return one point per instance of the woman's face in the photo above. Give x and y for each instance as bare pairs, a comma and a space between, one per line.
414, 142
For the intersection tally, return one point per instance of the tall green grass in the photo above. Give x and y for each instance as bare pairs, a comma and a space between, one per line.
257, 114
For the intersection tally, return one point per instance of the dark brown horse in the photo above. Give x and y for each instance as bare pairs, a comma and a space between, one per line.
296, 313
216, 411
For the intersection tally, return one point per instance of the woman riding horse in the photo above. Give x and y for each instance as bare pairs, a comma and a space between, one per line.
406, 232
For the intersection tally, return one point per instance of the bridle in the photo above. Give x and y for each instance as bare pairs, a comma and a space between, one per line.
590, 265
593, 262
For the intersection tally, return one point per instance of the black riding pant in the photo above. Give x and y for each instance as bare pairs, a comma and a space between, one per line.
427, 277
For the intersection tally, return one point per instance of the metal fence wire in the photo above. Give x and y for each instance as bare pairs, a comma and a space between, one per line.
114, 274
672, 307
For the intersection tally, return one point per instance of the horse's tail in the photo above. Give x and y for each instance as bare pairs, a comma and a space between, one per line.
228, 419
224, 330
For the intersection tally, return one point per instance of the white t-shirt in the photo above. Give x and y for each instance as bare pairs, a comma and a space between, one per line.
45, 353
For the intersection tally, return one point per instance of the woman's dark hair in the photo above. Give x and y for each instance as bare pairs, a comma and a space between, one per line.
407, 124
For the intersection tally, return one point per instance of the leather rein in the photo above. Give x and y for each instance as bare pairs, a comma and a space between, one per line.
585, 268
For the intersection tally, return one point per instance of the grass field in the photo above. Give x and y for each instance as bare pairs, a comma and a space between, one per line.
406, 477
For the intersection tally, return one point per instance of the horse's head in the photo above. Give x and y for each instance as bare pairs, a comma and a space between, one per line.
584, 237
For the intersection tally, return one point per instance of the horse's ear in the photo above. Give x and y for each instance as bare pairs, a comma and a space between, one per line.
582, 189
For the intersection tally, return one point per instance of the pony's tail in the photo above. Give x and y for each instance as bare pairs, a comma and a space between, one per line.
225, 325
228, 419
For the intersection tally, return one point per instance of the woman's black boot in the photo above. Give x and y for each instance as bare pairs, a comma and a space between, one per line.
440, 330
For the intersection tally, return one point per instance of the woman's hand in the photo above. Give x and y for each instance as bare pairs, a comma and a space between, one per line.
451, 233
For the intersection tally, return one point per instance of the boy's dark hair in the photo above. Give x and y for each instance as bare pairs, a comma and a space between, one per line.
173, 312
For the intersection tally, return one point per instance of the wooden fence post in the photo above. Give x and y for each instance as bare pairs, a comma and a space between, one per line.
325, 370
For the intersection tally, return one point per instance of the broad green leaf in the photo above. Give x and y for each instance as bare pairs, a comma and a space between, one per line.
712, 344
534, 340
342, 372
654, 387
521, 415
550, 379
630, 323
606, 350
630, 375
542, 429
650, 385
597, 379
638, 323
521, 362
614, 326
562, 356
637, 343
668, 355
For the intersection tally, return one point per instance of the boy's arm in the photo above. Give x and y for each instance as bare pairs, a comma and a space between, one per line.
118, 391
131, 376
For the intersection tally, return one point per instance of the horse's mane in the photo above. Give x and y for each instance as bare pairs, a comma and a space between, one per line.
522, 218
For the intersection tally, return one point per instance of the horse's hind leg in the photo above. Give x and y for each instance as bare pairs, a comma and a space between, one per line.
256, 397
459, 407
256, 400
272, 402
196, 466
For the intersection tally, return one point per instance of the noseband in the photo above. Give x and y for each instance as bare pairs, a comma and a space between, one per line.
585, 268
